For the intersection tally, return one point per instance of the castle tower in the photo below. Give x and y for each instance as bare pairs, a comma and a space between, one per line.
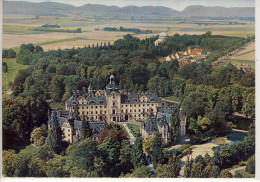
112, 79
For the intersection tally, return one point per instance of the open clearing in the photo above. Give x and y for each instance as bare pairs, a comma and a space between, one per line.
17, 30
13, 69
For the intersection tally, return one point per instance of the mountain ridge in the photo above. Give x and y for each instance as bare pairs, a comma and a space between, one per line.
61, 9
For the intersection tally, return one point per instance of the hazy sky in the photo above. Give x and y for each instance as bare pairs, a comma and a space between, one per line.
174, 4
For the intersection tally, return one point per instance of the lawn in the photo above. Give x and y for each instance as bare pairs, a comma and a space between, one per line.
13, 69
246, 174
28, 149
134, 129
171, 98
126, 133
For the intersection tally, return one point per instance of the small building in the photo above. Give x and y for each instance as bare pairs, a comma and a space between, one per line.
162, 37
162, 124
71, 127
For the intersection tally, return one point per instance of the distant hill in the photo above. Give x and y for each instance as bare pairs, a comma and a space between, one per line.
217, 11
41, 9
59, 9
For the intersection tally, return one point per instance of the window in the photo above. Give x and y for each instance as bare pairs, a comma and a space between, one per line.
68, 134
96, 112
68, 130
87, 107
114, 112
83, 112
82, 107
100, 107
96, 107
91, 107
135, 110
114, 103
126, 105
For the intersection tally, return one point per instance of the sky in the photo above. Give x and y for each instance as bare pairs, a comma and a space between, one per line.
174, 4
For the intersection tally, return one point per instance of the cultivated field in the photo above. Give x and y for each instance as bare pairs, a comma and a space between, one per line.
245, 56
18, 30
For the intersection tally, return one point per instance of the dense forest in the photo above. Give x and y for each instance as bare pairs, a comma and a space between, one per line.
209, 96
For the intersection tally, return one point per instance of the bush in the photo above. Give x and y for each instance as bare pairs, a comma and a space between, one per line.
225, 174
238, 175
250, 168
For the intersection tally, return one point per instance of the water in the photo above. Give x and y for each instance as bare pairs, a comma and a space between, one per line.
236, 137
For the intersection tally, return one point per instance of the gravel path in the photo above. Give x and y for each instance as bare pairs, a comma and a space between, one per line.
132, 138
233, 171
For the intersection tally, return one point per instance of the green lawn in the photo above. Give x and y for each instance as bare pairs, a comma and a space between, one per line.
123, 128
28, 149
134, 129
171, 98
13, 69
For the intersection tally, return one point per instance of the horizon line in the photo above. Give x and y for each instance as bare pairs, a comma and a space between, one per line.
126, 5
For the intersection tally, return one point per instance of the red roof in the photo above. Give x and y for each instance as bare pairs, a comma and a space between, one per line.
182, 63
199, 50
161, 60
194, 53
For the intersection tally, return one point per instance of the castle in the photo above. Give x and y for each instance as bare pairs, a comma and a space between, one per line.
111, 105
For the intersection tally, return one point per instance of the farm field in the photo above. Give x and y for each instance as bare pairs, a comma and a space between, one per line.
244, 57
13, 69
17, 31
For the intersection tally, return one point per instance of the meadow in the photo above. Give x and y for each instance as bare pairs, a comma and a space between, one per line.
19, 29
13, 69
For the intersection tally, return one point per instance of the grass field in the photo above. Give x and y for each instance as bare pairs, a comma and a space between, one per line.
13, 69
134, 129
244, 57
18, 30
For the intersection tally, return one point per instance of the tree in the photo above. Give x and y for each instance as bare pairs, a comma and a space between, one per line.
174, 124
44, 153
110, 153
141, 172
147, 145
238, 175
8, 157
225, 174
54, 139
76, 110
83, 156
157, 152
4, 67
57, 88
204, 123
171, 169
20, 116
250, 168
37, 137
125, 157
137, 154
86, 131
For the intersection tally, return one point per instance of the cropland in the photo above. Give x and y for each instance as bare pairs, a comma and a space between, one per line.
19, 30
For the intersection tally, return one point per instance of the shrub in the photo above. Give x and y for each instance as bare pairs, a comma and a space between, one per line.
250, 168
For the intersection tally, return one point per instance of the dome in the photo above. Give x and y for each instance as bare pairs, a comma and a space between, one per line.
163, 36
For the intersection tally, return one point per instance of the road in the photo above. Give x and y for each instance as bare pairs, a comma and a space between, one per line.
233, 171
